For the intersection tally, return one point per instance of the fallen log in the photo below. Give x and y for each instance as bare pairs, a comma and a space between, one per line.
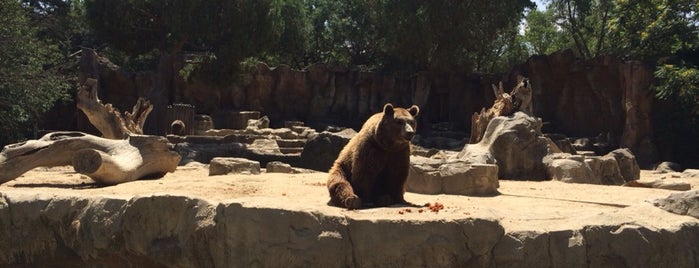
106, 161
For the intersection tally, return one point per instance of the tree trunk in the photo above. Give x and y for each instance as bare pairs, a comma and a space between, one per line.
108, 120
106, 161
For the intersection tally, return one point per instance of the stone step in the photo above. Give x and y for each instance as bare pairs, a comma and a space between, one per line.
291, 150
291, 142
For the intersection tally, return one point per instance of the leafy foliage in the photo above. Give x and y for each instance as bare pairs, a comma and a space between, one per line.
654, 29
409, 36
29, 83
541, 33
222, 33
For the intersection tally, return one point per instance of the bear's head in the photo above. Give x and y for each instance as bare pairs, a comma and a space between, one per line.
397, 125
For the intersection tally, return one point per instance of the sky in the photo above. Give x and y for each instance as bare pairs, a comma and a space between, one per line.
540, 4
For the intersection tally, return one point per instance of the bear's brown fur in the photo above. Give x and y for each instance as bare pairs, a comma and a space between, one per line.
373, 167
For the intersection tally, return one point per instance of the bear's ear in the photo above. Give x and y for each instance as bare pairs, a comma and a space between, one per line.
414, 110
388, 109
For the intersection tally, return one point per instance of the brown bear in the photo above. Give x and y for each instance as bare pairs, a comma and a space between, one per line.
373, 167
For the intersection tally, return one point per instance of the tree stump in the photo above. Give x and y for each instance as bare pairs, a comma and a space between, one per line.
106, 161
107, 119
503, 106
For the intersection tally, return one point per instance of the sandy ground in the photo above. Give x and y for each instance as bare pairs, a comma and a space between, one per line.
520, 206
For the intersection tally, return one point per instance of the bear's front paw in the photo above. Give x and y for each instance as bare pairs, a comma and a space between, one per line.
353, 202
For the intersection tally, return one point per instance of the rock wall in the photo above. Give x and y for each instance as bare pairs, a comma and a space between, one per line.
571, 96
177, 231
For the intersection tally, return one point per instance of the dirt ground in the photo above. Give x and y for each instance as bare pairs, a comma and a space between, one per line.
539, 206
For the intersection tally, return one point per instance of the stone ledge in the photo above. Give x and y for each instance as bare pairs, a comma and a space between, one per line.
188, 219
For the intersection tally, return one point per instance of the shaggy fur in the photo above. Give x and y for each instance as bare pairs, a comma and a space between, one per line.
373, 167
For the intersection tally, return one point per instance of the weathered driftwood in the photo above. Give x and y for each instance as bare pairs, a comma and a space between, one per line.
106, 161
503, 106
107, 119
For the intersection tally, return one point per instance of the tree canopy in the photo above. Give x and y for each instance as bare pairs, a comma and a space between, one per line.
30, 82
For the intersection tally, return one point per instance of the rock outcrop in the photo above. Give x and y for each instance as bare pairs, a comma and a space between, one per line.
682, 203
321, 150
515, 143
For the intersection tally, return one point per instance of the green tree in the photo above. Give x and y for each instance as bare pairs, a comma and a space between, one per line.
542, 34
445, 35
409, 36
586, 22
343, 33
29, 83
221, 33
654, 29
291, 46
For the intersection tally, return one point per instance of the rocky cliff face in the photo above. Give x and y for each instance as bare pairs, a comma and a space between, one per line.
575, 98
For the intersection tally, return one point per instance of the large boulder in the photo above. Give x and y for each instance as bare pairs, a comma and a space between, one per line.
516, 144
627, 164
606, 168
321, 151
583, 169
570, 168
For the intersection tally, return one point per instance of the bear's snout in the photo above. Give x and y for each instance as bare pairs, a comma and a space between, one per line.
408, 132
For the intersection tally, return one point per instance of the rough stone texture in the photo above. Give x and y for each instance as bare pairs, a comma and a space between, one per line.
683, 203
661, 184
667, 167
517, 146
202, 123
226, 165
264, 146
204, 152
187, 219
278, 167
606, 168
562, 142
627, 164
583, 169
262, 122
321, 151
437, 176
690, 173
570, 168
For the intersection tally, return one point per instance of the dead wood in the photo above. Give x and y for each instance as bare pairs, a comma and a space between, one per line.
503, 106
107, 119
107, 161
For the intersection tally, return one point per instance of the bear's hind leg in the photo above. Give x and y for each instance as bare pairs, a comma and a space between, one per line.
342, 194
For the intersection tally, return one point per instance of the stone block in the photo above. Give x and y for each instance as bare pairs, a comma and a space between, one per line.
226, 165
435, 176
279, 167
